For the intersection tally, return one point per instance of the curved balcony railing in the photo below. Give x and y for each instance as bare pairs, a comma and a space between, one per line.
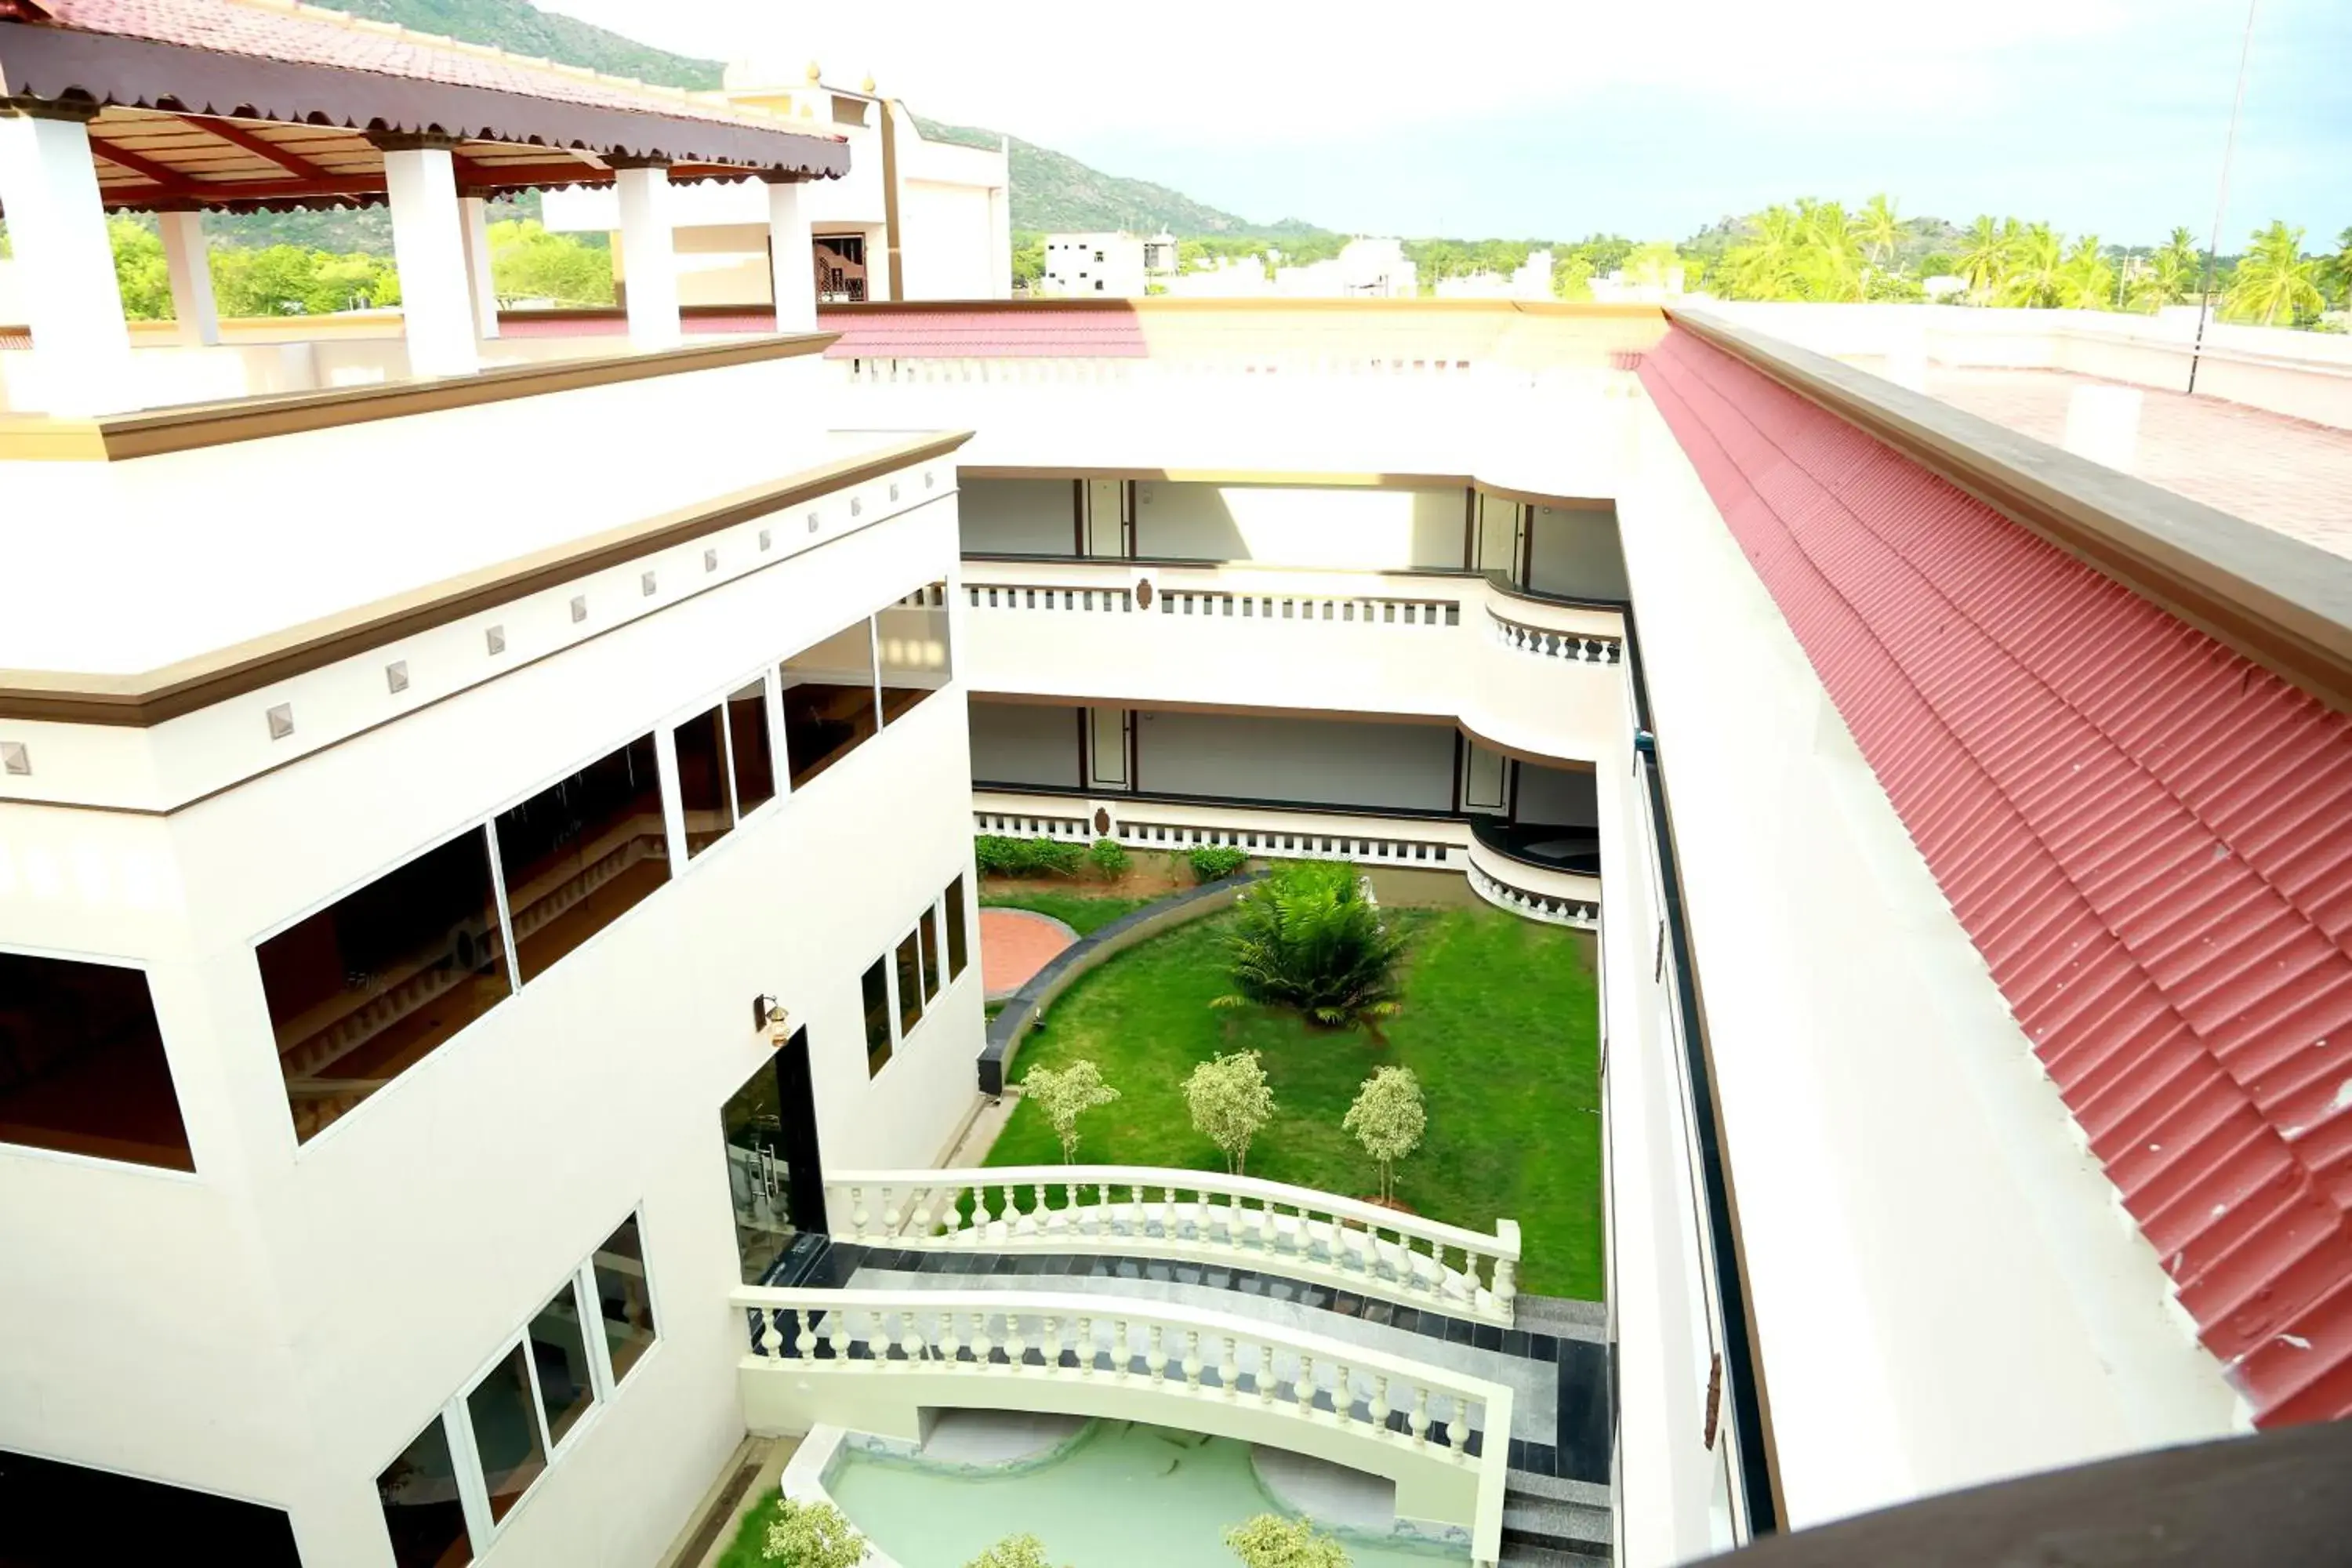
877, 1360
1196, 1215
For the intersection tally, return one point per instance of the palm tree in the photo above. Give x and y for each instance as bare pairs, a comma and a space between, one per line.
1764, 267
2089, 281
2171, 274
1881, 231
1830, 265
1311, 937
1984, 257
2340, 264
2037, 277
2274, 277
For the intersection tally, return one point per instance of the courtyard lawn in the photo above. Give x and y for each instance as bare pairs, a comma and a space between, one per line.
1501, 1020
1083, 913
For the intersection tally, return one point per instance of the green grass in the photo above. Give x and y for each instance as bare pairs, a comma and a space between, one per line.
1083, 913
752, 1535
1501, 1021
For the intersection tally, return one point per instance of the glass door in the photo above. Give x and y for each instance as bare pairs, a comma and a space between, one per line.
773, 1179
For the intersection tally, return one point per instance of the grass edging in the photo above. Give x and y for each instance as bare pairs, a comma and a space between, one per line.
1023, 1007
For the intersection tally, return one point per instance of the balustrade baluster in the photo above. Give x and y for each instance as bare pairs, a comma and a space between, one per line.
1106, 1222
1053, 1349
1086, 1347
890, 1215
1122, 1352
1377, 1410
804, 1339
1168, 1212
1037, 1215
1016, 1348
756, 1323
838, 1333
978, 1211
1229, 1368
1192, 1360
1418, 1422
911, 1339
1009, 1208
857, 1214
981, 1349
1155, 1353
922, 1228
1264, 1374
950, 1347
1071, 1215
1303, 1389
1343, 1395
1507, 1284
1137, 1223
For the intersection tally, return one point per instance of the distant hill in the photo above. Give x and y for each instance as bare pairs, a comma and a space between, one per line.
523, 28
1053, 192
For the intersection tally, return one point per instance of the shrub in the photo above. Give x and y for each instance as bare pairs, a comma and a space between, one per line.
996, 855
1065, 1094
1230, 1101
1311, 937
1387, 1120
811, 1535
1212, 862
1108, 858
1270, 1540
1014, 1552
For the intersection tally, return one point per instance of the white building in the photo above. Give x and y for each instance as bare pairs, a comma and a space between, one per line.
1084, 265
1531, 280
486, 1008
1364, 268
913, 219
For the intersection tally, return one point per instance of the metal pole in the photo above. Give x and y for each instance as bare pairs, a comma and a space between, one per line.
2221, 203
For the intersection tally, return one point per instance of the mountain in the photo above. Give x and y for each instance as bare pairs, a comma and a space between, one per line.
1051, 191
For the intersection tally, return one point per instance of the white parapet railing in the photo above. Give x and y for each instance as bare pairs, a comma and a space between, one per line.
1134, 1211
1292, 833
876, 1360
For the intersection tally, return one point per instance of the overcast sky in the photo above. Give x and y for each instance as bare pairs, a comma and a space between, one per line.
1557, 118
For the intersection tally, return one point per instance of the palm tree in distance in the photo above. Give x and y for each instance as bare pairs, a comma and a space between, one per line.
2089, 279
2171, 274
1984, 257
1765, 266
2340, 264
2274, 277
2037, 275
1832, 266
1881, 231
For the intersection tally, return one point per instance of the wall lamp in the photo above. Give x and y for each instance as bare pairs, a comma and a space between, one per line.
768, 1014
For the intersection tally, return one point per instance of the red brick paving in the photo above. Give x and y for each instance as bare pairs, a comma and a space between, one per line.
1015, 945
2281, 473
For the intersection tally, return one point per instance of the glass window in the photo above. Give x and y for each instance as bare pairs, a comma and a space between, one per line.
506, 1432
559, 1352
582, 853
910, 987
366, 988
747, 731
624, 1296
422, 1510
828, 701
878, 1017
931, 932
913, 638
82, 1066
702, 781
955, 929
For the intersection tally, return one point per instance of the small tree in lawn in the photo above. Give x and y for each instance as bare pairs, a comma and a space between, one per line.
1014, 1552
1270, 1540
1064, 1096
1231, 1101
1311, 937
1387, 1120
811, 1535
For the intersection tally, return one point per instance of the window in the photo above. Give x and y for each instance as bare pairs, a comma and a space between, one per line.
424, 1510
558, 1354
58, 1515
876, 988
911, 986
829, 705
582, 853
507, 1437
625, 1296
747, 738
955, 950
81, 1064
930, 934
366, 988
912, 636
702, 792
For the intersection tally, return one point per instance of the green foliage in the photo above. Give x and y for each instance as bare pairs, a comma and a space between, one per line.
1270, 1540
528, 263
1213, 862
1231, 1103
139, 271
1065, 1094
2274, 279
1388, 1119
811, 1535
1108, 858
1082, 912
1028, 259
1014, 1552
1001, 857
1311, 937
288, 281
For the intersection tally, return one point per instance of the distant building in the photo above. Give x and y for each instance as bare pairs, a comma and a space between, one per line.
1159, 254
1111, 265
1530, 280
1364, 268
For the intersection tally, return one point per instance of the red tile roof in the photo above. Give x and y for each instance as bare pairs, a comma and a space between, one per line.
1029, 332
2147, 836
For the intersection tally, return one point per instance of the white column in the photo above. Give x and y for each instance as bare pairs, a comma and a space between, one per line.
650, 264
428, 245
791, 257
190, 267
474, 212
65, 265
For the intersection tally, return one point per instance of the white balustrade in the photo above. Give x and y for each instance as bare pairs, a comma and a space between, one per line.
877, 1360
1192, 1215
1576, 647
1554, 908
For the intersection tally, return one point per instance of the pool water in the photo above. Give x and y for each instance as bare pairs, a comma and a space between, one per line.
1119, 1496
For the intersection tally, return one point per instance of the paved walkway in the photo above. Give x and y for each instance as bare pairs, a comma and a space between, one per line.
1015, 945
2282, 473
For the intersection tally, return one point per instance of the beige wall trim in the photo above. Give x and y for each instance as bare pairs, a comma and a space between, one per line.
151, 696
147, 432
1271, 479
2281, 603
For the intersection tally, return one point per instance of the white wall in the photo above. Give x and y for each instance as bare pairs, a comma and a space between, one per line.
280, 1325
1025, 742
1317, 762
947, 247
1375, 529
1017, 516
1575, 551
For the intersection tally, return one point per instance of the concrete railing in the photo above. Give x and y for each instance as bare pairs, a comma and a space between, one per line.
1290, 832
876, 1360
1197, 1216
1539, 892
